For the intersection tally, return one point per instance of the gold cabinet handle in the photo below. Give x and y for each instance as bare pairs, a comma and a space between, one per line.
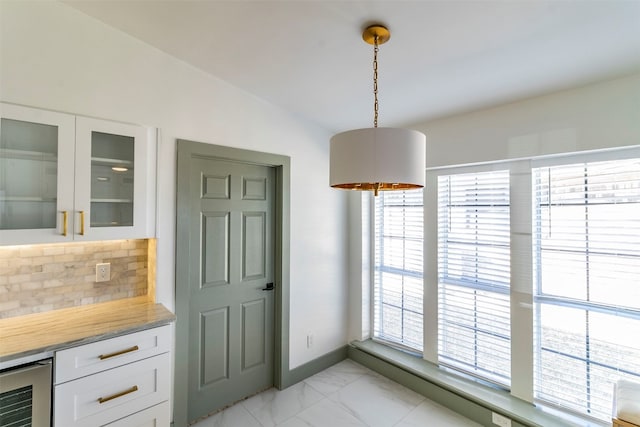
117, 395
82, 223
65, 222
118, 353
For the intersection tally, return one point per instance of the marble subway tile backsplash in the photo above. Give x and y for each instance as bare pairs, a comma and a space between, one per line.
37, 278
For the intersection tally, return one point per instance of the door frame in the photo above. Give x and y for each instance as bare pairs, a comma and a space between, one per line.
282, 165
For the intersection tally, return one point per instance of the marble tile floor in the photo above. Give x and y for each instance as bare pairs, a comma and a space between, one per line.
344, 395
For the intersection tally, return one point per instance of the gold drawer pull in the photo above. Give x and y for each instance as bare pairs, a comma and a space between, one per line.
117, 395
118, 353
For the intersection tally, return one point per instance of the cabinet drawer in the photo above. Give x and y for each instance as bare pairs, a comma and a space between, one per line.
108, 396
88, 359
156, 416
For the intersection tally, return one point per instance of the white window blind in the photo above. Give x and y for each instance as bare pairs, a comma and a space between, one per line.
398, 268
474, 274
586, 245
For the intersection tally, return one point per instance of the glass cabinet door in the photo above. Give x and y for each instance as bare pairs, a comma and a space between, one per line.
36, 175
112, 179
28, 175
111, 183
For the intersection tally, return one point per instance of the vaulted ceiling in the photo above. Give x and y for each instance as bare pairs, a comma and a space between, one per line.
444, 57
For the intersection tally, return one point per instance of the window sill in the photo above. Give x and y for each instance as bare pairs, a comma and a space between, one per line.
468, 397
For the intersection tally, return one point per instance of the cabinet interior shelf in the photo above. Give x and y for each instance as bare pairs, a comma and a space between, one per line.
103, 161
111, 201
10, 153
27, 199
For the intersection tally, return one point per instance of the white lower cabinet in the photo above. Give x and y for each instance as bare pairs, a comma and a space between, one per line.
131, 390
156, 416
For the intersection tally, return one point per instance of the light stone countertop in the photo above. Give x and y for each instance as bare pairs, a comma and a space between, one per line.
44, 333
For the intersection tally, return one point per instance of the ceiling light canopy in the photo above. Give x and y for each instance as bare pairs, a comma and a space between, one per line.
377, 159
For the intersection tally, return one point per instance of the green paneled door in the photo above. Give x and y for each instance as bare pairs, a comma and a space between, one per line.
231, 268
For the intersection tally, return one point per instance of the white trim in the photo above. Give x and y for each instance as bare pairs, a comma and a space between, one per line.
546, 160
430, 266
521, 279
587, 156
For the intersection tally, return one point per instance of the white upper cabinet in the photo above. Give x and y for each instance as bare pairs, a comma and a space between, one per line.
65, 178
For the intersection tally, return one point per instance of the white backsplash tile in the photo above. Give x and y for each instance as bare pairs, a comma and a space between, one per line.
38, 278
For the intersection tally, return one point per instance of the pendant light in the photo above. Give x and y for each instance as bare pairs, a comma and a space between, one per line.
377, 159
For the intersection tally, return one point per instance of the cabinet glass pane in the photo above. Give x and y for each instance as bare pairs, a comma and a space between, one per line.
111, 180
28, 175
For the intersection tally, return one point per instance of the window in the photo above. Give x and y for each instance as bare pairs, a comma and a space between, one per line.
398, 268
586, 246
473, 274
532, 268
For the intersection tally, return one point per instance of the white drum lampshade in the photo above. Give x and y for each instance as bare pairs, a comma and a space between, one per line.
378, 159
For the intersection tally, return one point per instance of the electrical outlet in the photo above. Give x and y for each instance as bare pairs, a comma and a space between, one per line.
103, 272
309, 340
500, 420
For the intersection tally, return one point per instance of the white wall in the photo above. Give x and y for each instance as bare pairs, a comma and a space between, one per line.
55, 57
598, 116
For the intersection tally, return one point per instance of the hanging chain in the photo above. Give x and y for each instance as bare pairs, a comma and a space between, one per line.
375, 81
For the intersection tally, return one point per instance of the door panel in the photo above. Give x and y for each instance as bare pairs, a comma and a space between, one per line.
254, 189
216, 187
216, 250
214, 333
253, 334
231, 329
254, 239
